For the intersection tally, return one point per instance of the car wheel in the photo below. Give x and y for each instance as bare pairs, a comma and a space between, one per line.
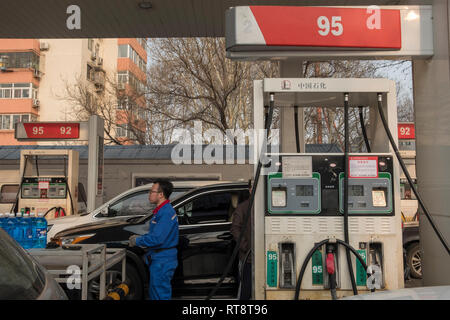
414, 260
114, 278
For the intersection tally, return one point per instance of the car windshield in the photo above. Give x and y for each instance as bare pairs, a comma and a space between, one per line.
20, 276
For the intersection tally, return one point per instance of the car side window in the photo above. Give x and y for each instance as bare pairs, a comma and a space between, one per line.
207, 208
8, 193
131, 205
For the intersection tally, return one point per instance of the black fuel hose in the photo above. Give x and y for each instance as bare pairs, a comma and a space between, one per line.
68, 188
346, 173
297, 139
363, 129
267, 126
308, 257
408, 177
16, 203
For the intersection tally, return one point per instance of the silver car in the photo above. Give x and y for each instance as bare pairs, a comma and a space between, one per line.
22, 277
131, 203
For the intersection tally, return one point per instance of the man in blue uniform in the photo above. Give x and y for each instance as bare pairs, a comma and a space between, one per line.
161, 240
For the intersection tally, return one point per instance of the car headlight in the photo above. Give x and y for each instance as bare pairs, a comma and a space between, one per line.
74, 239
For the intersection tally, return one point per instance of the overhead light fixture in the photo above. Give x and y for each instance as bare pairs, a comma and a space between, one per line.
145, 5
412, 15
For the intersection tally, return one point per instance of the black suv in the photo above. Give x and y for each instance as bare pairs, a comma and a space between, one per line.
205, 244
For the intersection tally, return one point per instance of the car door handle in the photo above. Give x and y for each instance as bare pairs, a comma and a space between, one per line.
225, 236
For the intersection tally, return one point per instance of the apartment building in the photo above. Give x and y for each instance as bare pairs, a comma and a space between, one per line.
39, 80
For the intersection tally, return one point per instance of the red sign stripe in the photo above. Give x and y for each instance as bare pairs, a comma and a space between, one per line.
328, 27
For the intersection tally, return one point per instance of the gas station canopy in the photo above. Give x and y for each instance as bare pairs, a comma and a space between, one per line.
136, 18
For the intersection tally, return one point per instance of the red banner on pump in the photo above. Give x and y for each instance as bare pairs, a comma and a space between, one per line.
366, 28
36, 130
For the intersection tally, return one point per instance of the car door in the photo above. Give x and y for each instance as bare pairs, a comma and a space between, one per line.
206, 243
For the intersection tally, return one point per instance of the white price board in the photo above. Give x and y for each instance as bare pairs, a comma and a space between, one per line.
297, 166
44, 184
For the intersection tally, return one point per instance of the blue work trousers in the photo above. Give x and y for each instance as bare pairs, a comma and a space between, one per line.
161, 273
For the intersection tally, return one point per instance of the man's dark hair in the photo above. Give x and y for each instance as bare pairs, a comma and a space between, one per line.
165, 186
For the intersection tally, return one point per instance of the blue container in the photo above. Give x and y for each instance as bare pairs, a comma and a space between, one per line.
20, 230
10, 224
28, 238
40, 226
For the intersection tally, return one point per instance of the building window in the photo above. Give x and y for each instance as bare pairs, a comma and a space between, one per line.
122, 103
121, 130
15, 90
16, 119
22, 59
127, 51
122, 77
123, 51
143, 42
7, 121
132, 80
90, 44
88, 72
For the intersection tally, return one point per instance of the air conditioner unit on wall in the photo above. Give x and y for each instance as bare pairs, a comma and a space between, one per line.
36, 103
44, 46
93, 55
100, 61
36, 73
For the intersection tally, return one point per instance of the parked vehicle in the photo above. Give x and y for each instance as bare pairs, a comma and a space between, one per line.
205, 244
411, 245
131, 203
22, 277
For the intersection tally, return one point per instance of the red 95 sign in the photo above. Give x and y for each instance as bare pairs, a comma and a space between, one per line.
52, 130
367, 28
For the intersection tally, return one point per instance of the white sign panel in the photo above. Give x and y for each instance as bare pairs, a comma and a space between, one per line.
297, 166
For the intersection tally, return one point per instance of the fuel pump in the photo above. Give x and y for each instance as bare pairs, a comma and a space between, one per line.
309, 232
49, 182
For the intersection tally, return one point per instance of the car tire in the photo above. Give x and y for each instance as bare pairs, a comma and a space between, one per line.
136, 286
414, 260
114, 278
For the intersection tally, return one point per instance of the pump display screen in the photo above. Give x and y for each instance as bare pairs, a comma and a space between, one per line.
379, 198
304, 190
356, 191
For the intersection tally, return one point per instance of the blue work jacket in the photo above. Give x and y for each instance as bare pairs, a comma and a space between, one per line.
162, 234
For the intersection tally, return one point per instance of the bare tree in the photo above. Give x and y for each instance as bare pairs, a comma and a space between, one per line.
119, 105
326, 125
191, 79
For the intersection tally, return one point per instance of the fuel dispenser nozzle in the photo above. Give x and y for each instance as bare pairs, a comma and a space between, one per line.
331, 270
